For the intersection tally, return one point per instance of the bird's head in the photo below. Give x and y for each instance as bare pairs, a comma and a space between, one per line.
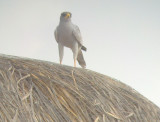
65, 16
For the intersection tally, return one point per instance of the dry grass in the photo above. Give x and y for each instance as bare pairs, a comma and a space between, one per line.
38, 91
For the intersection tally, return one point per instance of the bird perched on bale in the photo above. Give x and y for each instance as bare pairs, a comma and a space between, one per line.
68, 35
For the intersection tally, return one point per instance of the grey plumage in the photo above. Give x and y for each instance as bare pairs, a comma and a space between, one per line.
68, 35
80, 59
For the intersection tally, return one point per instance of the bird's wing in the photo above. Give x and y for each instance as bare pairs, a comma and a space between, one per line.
55, 35
77, 34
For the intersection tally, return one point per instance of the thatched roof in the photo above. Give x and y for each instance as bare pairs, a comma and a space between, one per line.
39, 91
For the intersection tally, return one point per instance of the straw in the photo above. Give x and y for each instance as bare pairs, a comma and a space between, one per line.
39, 91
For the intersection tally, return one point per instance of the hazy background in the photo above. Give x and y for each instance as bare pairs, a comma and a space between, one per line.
122, 36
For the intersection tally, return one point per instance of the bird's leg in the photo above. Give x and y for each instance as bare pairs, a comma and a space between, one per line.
61, 47
60, 62
75, 52
74, 62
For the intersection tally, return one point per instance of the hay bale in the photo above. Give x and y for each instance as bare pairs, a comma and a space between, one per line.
38, 91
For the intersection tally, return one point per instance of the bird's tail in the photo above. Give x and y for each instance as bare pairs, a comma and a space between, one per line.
84, 48
81, 60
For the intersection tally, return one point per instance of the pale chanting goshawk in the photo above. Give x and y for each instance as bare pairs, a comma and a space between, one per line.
68, 35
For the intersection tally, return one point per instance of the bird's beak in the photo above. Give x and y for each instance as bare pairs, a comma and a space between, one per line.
67, 15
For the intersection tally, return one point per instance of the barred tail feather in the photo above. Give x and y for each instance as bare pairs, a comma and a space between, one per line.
81, 60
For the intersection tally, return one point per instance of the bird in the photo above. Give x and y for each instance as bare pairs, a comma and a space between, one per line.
68, 35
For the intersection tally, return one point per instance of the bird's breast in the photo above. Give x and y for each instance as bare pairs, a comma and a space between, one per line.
65, 36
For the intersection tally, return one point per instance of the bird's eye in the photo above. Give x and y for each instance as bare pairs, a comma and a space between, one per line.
63, 14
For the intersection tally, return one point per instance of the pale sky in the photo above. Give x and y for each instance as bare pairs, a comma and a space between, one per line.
122, 36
